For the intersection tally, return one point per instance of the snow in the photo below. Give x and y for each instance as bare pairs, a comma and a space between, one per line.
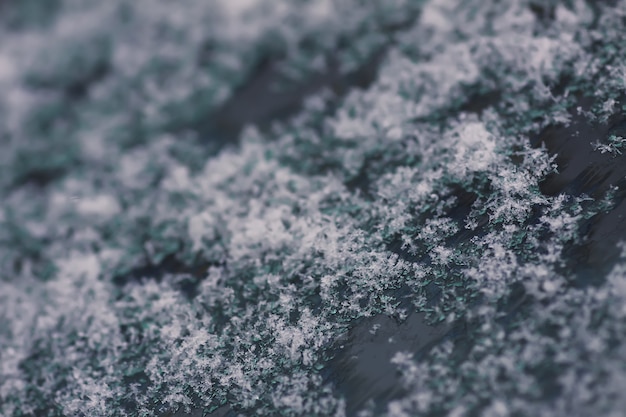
99, 205
475, 149
136, 282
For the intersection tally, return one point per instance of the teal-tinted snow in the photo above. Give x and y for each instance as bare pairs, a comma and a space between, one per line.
139, 281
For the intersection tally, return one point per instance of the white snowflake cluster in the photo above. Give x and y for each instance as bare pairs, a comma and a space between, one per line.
143, 275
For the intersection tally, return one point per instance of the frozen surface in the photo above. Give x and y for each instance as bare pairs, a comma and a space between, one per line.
301, 208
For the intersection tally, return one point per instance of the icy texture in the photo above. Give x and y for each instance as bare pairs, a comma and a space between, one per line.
144, 275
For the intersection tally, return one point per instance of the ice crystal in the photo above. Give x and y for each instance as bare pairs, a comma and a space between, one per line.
169, 246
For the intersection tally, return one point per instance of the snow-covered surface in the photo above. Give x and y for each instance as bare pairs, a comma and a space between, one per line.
142, 274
